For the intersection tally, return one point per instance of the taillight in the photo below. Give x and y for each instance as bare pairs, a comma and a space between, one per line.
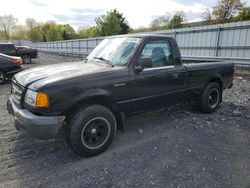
17, 62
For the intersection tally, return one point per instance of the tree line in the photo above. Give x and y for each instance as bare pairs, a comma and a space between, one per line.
114, 23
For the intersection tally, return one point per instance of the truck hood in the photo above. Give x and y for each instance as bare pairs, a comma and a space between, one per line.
40, 76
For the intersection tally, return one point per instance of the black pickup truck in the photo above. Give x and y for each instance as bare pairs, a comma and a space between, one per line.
24, 52
122, 76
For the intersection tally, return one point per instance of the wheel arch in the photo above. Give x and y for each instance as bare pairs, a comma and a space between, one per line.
4, 72
100, 97
217, 79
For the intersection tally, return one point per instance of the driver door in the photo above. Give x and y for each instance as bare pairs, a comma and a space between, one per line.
159, 84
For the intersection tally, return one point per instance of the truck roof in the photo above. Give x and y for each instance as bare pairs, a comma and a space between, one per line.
142, 35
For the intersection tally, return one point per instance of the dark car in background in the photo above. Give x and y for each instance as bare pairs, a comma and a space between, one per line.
9, 66
24, 52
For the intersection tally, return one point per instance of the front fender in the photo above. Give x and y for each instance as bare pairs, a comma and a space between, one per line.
93, 96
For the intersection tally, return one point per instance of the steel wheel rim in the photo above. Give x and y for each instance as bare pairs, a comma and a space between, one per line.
213, 98
95, 133
2, 77
26, 60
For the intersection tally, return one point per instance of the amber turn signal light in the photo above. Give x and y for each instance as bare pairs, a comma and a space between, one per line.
42, 100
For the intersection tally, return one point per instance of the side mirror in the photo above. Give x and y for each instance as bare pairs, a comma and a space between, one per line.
138, 69
143, 63
177, 61
146, 63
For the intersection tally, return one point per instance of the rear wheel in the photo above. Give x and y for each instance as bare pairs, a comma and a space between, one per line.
91, 130
210, 98
26, 59
2, 77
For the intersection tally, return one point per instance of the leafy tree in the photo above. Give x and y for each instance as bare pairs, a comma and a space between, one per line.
65, 35
88, 32
243, 15
108, 24
51, 31
7, 22
19, 33
176, 21
122, 21
82, 33
2, 35
44, 38
92, 32
67, 31
34, 30
226, 10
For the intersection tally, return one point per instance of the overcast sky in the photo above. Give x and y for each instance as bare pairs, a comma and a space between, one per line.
82, 13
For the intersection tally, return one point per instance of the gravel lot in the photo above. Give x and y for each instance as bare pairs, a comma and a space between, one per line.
174, 147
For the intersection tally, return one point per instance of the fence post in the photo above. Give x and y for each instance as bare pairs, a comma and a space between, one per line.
72, 47
87, 46
175, 33
79, 43
218, 41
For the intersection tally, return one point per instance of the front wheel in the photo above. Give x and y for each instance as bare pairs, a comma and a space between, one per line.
91, 130
210, 98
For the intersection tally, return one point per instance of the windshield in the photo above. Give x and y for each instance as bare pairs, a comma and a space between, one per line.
117, 51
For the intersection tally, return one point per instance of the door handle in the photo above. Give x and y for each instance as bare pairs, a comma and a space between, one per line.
175, 75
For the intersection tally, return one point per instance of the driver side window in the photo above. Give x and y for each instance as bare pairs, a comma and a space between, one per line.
159, 52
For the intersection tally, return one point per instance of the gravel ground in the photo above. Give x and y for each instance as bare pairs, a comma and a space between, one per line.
173, 147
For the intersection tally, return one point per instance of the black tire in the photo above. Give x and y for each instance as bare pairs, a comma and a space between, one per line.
211, 97
91, 129
26, 59
2, 77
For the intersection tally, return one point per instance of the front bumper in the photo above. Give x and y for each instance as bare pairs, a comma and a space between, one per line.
40, 127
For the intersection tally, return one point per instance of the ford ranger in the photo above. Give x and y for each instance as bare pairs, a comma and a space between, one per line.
122, 76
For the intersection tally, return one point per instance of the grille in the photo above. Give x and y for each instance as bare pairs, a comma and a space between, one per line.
16, 92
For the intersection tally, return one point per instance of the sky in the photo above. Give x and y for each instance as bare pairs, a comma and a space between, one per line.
82, 13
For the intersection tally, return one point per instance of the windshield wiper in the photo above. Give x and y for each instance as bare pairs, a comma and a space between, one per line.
105, 60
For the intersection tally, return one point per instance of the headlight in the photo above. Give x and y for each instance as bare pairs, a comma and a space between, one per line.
37, 99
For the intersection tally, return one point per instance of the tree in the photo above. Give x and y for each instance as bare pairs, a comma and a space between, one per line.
51, 31
7, 22
82, 33
67, 31
226, 10
122, 21
207, 16
159, 22
176, 20
34, 30
19, 33
92, 32
243, 15
108, 24
2, 35
88, 32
